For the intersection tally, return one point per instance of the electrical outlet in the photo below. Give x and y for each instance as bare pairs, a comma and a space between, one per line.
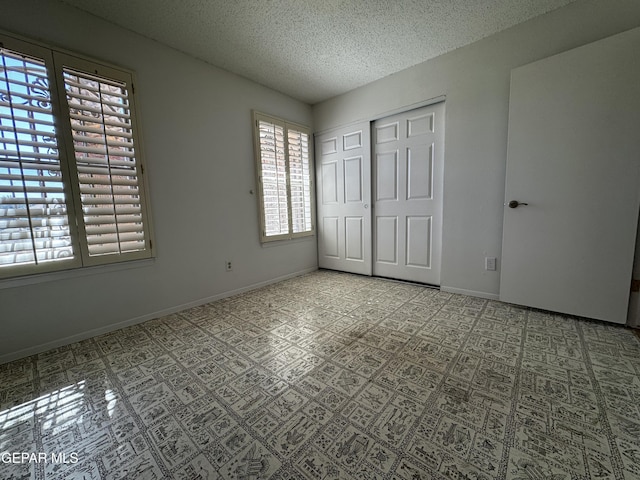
490, 263
228, 265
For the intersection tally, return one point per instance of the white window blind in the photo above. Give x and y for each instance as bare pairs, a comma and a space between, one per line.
274, 178
34, 224
284, 167
71, 191
105, 160
300, 178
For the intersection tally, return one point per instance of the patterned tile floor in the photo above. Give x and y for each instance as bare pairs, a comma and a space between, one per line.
331, 376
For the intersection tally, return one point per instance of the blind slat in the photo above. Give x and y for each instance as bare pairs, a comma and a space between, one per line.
88, 122
121, 180
91, 85
128, 208
102, 130
81, 110
101, 140
24, 108
28, 155
100, 151
32, 189
114, 238
93, 161
87, 171
93, 219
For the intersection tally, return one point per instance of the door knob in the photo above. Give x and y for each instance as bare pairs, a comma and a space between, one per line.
366, 205
516, 204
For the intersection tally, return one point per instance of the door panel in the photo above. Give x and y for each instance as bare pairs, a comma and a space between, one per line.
353, 180
352, 140
344, 188
573, 158
419, 170
354, 239
387, 176
408, 167
386, 132
329, 183
386, 240
330, 240
419, 251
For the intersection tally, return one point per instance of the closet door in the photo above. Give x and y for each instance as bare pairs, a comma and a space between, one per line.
407, 183
343, 178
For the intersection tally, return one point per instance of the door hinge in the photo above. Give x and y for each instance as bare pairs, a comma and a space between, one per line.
635, 285
150, 244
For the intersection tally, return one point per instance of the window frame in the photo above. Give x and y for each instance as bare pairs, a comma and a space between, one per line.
56, 60
286, 125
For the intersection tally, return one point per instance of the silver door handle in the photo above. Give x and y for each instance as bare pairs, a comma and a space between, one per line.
366, 205
515, 204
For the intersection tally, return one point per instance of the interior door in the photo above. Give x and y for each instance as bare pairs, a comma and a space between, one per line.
343, 176
408, 167
573, 162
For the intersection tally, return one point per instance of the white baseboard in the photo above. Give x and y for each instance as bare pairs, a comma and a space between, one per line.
471, 293
26, 352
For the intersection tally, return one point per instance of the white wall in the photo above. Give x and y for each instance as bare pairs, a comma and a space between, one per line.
197, 137
475, 80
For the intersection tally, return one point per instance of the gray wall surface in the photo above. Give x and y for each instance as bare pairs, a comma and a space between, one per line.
475, 81
197, 138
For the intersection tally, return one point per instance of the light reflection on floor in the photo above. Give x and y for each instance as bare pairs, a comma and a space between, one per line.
53, 410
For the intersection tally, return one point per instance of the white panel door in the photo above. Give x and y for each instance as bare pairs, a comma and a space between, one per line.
573, 158
343, 177
408, 164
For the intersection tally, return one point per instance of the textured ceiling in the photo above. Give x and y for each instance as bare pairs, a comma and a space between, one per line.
315, 49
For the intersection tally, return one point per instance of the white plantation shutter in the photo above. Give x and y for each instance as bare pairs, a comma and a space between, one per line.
300, 176
106, 165
34, 221
71, 187
283, 163
273, 178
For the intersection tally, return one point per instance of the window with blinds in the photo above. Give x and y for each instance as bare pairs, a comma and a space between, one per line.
34, 224
105, 161
71, 187
284, 167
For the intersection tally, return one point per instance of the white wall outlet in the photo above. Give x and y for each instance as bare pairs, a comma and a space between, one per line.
228, 265
490, 263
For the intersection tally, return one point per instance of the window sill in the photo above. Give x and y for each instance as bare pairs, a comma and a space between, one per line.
287, 241
73, 273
